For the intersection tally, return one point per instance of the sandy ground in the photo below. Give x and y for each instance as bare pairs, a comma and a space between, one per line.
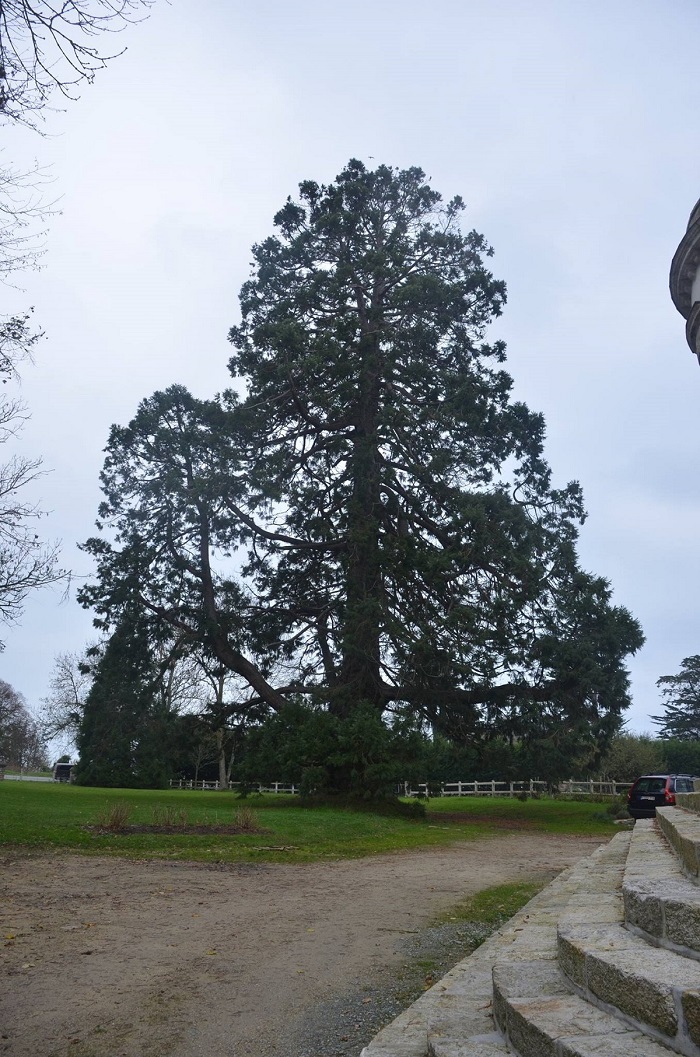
120, 958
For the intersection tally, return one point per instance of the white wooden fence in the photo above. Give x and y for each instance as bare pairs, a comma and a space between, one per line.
534, 785
275, 787
598, 787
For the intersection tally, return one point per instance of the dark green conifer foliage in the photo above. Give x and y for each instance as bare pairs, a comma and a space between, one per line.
399, 544
124, 732
681, 694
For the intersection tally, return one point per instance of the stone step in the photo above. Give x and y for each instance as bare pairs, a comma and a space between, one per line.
661, 904
653, 990
691, 801
536, 1015
455, 1017
458, 1006
681, 828
534, 1006
540, 1017
511, 998
527, 942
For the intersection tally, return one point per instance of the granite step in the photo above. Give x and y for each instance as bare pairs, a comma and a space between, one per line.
661, 904
617, 968
691, 801
681, 828
526, 951
536, 1007
455, 1017
655, 991
540, 1017
509, 997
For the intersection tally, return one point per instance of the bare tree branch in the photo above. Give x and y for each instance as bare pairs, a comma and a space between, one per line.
26, 561
48, 46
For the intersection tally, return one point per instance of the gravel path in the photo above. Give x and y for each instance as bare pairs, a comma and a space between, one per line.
116, 958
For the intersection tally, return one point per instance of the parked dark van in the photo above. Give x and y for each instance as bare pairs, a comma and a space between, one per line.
656, 790
63, 772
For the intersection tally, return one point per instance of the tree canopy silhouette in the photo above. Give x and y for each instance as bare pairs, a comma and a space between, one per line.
681, 696
371, 522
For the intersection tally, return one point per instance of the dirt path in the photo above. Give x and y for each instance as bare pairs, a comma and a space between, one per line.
116, 958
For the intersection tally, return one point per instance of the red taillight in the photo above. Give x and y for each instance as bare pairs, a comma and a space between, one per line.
629, 794
669, 797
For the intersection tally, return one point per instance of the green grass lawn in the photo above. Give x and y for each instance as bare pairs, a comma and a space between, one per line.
548, 814
494, 906
35, 815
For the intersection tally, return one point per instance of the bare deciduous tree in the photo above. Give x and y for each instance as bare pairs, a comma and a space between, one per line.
49, 46
46, 46
21, 742
62, 708
23, 213
26, 562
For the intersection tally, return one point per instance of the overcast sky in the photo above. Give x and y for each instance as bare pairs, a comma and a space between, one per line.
571, 131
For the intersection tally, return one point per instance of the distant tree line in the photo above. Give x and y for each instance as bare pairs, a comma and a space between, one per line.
142, 719
22, 744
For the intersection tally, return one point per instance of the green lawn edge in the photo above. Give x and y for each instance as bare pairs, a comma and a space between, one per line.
57, 816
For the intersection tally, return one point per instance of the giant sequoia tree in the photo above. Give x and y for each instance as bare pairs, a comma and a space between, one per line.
371, 525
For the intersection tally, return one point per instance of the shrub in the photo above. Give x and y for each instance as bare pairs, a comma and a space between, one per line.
246, 821
169, 816
630, 755
683, 757
357, 756
114, 817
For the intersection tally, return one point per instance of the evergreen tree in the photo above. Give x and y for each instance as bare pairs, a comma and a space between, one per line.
372, 526
681, 756
681, 694
124, 730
